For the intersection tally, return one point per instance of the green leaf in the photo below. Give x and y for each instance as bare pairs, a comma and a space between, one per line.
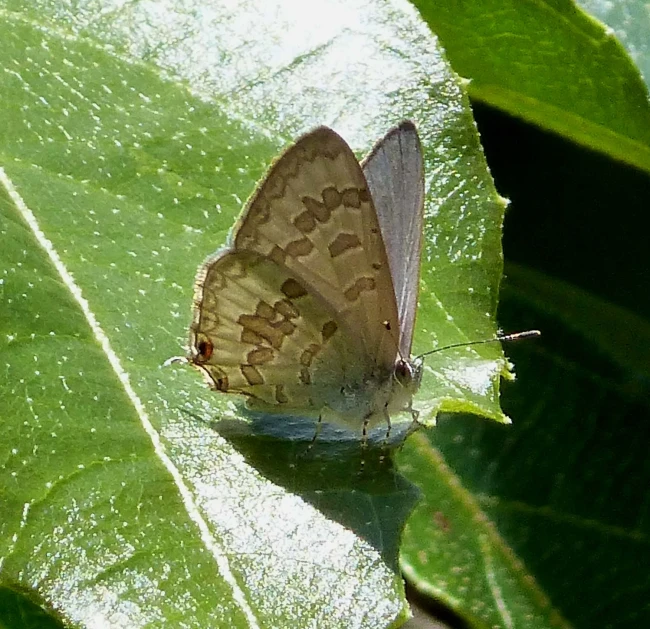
121, 503
550, 64
453, 551
520, 519
630, 22
19, 611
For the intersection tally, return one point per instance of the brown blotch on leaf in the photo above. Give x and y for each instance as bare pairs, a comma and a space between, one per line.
442, 521
293, 289
252, 375
342, 243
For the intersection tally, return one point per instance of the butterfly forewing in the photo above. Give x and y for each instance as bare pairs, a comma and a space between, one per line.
314, 216
395, 174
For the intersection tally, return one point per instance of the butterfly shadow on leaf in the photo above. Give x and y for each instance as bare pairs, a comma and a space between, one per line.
355, 486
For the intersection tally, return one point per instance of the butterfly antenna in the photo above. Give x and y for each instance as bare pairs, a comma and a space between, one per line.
517, 336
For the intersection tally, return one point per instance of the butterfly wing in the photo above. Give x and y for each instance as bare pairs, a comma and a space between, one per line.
313, 215
260, 332
395, 174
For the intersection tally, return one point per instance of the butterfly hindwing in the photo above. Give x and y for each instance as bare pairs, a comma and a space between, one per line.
260, 332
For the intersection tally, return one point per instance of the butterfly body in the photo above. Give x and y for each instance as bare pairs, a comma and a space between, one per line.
303, 312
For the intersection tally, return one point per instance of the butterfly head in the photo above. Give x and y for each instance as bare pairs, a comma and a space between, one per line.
408, 374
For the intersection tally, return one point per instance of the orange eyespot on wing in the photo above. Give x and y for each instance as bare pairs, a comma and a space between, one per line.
204, 350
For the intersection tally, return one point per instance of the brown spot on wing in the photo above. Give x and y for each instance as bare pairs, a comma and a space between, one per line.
305, 376
260, 356
280, 395
293, 289
250, 337
305, 222
270, 324
361, 285
205, 349
308, 355
265, 311
278, 255
320, 211
299, 248
286, 309
329, 329
342, 243
353, 197
331, 198
252, 375
286, 327
272, 334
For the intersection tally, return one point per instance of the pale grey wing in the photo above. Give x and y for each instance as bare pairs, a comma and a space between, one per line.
395, 175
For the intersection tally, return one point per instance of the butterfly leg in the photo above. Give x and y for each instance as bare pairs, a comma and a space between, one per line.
319, 425
388, 425
364, 432
415, 424
364, 443
384, 446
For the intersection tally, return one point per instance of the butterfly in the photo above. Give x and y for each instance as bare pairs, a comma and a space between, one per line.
310, 308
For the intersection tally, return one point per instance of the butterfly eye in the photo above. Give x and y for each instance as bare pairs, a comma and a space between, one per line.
205, 349
403, 372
